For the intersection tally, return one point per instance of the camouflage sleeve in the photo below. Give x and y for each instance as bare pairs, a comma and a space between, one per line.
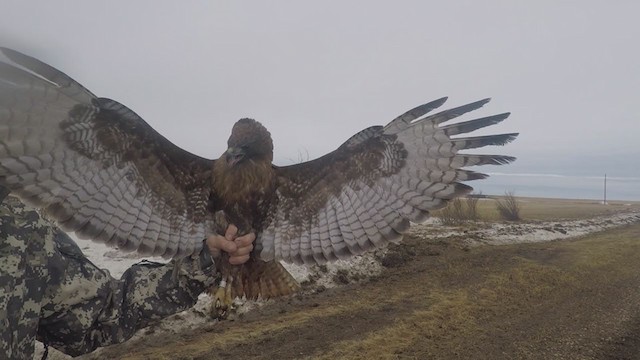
90, 309
25, 245
49, 288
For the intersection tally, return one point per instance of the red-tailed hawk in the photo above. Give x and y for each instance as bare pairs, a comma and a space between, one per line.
100, 170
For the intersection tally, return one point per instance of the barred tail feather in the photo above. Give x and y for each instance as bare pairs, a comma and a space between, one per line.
262, 279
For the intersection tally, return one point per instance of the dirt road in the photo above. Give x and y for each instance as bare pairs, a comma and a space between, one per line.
575, 299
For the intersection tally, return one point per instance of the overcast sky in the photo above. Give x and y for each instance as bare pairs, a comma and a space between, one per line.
316, 72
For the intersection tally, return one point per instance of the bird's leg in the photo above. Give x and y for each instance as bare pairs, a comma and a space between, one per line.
219, 305
223, 295
222, 299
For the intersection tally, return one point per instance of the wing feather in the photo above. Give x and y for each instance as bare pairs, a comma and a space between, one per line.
95, 166
352, 246
326, 233
471, 125
371, 204
354, 220
365, 193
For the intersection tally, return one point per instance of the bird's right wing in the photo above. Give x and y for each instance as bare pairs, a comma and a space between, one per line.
95, 166
365, 193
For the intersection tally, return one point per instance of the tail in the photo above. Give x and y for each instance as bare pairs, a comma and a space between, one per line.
259, 279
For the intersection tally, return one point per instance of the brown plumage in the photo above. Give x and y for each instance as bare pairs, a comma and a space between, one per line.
243, 177
100, 170
243, 183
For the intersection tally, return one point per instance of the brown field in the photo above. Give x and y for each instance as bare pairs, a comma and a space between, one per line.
541, 209
572, 299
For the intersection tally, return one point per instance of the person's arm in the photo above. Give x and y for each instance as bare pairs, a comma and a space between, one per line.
26, 242
91, 309
49, 288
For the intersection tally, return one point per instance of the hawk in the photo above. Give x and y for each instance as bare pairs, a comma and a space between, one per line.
99, 169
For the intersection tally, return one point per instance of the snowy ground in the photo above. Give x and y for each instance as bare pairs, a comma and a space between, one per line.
525, 232
365, 266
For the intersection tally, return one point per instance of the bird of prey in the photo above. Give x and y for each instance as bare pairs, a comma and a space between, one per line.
99, 169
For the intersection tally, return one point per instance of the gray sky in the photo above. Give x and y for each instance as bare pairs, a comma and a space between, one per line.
315, 73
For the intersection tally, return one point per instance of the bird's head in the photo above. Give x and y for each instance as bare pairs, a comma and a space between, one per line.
249, 141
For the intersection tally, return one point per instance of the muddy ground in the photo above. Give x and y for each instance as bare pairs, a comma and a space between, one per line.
570, 299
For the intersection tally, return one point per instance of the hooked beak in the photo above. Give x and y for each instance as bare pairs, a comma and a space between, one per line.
234, 155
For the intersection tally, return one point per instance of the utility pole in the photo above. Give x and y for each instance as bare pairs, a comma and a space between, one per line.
605, 189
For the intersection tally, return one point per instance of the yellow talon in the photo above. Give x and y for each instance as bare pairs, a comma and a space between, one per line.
222, 301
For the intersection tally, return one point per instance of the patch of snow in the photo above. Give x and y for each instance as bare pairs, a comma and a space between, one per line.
515, 233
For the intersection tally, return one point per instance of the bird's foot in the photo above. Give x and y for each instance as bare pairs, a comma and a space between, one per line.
222, 301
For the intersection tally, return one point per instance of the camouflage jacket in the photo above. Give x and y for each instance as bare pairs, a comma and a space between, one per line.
50, 291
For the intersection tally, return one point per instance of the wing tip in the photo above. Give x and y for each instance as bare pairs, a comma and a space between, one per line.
478, 104
7, 51
503, 139
16, 56
500, 117
434, 104
421, 110
504, 159
440, 101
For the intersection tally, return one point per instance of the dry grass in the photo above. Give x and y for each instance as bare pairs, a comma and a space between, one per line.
509, 207
235, 335
472, 207
453, 214
459, 211
451, 316
540, 209
444, 314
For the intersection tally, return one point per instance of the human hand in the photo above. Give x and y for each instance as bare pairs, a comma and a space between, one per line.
238, 247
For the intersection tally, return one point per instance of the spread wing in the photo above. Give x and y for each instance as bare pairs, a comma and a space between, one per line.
95, 166
365, 193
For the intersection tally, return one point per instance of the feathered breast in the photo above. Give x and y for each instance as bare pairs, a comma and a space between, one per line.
244, 191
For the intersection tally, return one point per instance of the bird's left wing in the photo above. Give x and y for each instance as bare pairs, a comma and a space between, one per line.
95, 166
365, 193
